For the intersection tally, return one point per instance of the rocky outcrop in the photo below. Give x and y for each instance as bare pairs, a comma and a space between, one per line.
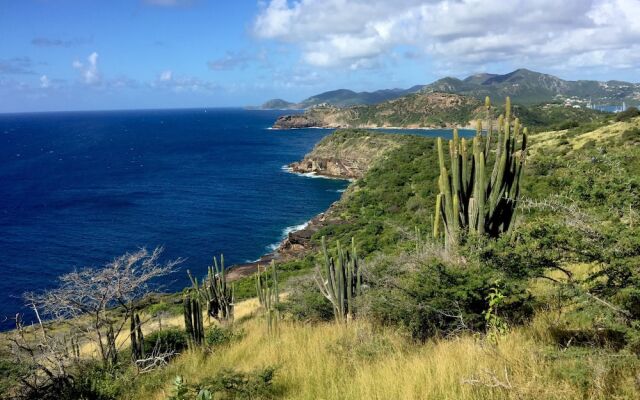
330, 167
347, 154
297, 121
299, 242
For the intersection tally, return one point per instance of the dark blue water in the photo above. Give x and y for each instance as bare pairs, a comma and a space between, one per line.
77, 189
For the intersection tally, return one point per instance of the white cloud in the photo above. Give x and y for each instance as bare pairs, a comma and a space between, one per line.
167, 80
579, 33
166, 76
44, 82
89, 71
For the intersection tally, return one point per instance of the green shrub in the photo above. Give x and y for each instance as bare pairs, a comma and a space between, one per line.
306, 303
229, 384
435, 297
630, 135
171, 339
568, 125
218, 336
627, 114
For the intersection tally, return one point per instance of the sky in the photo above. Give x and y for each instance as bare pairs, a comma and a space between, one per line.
60, 55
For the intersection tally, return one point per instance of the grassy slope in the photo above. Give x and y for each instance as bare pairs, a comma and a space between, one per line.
357, 362
328, 361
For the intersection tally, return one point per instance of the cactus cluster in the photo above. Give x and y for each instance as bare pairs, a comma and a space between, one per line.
137, 338
480, 190
269, 296
215, 292
340, 279
193, 317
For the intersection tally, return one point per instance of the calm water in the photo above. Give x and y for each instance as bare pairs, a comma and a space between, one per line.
77, 189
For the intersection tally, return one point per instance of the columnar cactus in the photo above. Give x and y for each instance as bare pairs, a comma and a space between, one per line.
340, 279
215, 291
479, 193
269, 296
193, 317
137, 338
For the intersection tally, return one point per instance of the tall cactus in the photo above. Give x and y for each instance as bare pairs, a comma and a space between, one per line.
269, 296
136, 337
216, 292
475, 196
193, 317
340, 279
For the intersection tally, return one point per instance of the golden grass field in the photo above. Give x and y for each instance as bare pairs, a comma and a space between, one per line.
354, 361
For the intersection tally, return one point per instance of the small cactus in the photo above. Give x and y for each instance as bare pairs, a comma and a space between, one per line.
269, 296
136, 337
340, 279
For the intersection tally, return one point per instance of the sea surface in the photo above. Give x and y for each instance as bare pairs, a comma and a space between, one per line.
78, 189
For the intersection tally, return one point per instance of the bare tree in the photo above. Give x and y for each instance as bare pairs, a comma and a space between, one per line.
100, 301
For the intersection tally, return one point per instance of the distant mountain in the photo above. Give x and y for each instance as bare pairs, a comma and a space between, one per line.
530, 87
345, 98
278, 104
342, 98
524, 87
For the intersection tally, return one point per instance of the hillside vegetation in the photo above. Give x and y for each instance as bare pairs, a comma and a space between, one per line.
438, 110
548, 310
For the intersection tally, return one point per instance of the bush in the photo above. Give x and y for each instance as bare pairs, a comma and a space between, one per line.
627, 114
219, 336
229, 384
171, 339
306, 303
435, 297
630, 135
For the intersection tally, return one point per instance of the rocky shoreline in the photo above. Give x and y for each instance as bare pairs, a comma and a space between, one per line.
295, 245
347, 155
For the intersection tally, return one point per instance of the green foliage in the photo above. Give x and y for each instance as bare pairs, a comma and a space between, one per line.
551, 116
397, 193
439, 297
496, 325
10, 372
166, 340
220, 336
628, 114
306, 303
229, 384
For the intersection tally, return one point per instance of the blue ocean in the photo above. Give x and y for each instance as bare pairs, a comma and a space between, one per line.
77, 189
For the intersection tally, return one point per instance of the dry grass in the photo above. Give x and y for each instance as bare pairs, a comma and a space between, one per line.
328, 361
553, 138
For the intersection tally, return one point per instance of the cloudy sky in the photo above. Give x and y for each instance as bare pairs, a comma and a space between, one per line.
117, 54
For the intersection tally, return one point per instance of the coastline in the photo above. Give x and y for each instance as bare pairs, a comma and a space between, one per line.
296, 242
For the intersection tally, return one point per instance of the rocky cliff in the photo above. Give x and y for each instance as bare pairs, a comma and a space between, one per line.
347, 153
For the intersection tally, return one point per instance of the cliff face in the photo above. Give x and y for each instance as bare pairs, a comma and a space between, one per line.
347, 153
